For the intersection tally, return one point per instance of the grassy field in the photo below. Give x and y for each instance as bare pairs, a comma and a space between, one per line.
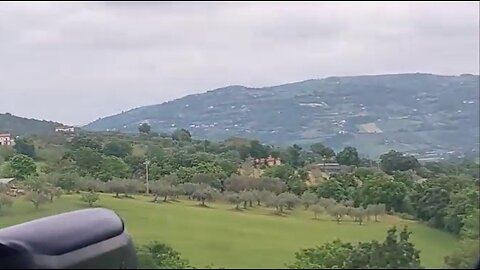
231, 239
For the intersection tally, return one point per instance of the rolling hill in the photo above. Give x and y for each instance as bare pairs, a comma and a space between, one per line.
423, 114
20, 126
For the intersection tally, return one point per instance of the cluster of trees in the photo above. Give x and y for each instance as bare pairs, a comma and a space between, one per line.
395, 252
339, 210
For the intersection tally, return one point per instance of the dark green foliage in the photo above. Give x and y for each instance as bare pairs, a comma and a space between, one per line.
24, 147
144, 128
181, 135
396, 161
348, 156
111, 167
118, 149
156, 255
84, 141
22, 166
396, 252
289, 176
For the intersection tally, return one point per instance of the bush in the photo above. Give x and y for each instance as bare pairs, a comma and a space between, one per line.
156, 255
90, 198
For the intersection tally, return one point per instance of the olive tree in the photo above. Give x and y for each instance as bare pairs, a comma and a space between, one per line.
285, 199
116, 186
245, 197
359, 214
308, 198
204, 193
337, 211
188, 189
91, 185
131, 187
376, 210
290, 200
160, 189
262, 196
326, 202
317, 209
233, 198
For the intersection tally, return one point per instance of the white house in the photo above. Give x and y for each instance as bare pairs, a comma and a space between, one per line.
6, 139
64, 129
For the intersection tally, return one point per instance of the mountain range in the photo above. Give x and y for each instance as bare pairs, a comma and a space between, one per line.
422, 114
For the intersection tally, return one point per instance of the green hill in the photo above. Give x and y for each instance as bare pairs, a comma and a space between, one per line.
20, 126
417, 113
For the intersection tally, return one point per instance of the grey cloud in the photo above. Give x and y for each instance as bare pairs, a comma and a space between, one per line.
75, 62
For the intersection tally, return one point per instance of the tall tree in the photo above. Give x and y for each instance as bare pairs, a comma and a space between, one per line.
396, 161
25, 147
87, 160
258, 150
22, 166
293, 156
111, 167
144, 128
181, 135
325, 152
348, 156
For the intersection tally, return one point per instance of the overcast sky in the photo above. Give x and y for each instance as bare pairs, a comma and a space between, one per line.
76, 62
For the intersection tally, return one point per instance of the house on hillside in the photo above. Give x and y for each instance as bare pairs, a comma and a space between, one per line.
268, 161
64, 129
6, 139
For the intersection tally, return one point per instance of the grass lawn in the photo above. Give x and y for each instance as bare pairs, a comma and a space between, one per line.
231, 239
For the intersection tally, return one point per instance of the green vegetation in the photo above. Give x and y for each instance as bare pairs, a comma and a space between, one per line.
194, 184
394, 253
252, 238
